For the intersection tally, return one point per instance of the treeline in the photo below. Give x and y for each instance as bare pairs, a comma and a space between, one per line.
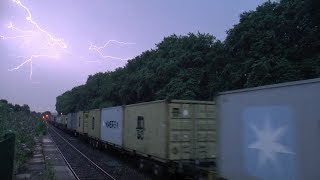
25, 124
278, 42
16, 107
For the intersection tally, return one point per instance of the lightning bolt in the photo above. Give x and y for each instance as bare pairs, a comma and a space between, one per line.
99, 49
30, 60
51, 47
11, 26
52, 43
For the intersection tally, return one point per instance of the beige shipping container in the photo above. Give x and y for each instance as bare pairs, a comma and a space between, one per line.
64, 119
171, 130
82, 122
94, 122
79, 123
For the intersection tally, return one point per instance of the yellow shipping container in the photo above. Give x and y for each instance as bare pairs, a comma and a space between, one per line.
171, 130
94, 122
82, 122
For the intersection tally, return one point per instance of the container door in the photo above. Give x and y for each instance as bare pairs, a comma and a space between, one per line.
192, 134
85, 122
180, 133
204, 131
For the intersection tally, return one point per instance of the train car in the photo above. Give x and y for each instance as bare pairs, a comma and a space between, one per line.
112, 126
58, 120
72, 122
54, 117
270, 132
63, 121
82, 122
176, 133
79, 122
94, 127
85, 122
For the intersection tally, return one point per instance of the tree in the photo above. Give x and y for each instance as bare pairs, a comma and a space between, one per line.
277, 42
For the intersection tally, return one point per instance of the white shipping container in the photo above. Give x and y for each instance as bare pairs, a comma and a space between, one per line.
112, 125
270, 132
72, 121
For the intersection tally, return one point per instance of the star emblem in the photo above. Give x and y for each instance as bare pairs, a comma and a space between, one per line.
267, 143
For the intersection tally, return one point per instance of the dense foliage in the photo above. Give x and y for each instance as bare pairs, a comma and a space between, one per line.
277, 42
24, 124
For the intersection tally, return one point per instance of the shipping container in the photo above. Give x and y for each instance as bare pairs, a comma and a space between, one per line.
58, 120
64, 120
82, 122
72, 121
54, 117
112, 125
171, 130
270, 132
94, 122
79, 122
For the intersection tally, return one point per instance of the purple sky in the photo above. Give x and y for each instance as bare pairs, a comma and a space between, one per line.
143, 22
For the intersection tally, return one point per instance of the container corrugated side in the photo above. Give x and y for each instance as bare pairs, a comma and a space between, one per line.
54, 118
172, 130
72, 121
85, 122
58, 120
145, 129
69, 121
64, 119
80, 122
112, 125
94, 122
192, 130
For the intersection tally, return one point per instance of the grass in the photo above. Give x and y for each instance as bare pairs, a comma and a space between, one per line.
49, 172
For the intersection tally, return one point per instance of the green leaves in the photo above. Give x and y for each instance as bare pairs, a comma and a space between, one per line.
24, 124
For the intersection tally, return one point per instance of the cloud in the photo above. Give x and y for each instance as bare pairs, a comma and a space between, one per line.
2, 5
4, 9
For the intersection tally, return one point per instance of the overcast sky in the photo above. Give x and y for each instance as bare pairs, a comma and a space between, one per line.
142, 22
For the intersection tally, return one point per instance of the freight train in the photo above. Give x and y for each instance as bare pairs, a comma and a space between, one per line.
176, 136
268, 132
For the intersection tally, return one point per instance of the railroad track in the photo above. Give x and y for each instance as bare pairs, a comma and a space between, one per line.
87, 163
81, 166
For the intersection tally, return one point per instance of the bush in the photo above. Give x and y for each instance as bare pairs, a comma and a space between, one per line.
25, 125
